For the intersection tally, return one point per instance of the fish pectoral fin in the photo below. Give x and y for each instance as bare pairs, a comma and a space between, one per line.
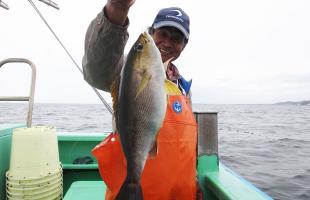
145, 80
171, 88
153, 151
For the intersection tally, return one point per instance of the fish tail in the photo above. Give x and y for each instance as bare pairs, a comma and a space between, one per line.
130, 191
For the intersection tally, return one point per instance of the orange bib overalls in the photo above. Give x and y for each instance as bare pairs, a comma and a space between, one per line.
171, 175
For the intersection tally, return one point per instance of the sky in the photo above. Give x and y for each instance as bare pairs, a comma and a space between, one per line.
239, 52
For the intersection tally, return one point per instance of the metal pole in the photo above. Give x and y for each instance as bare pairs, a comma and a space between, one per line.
30, 99
4, 5
207, 133
50, 3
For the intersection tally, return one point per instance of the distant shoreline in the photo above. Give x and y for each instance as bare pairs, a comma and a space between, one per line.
297, 103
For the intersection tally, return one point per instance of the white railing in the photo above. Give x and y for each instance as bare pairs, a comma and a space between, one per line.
29, 98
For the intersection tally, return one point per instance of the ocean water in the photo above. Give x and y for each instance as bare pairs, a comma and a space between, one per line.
269, 145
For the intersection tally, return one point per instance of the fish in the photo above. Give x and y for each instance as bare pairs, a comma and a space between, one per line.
141, 108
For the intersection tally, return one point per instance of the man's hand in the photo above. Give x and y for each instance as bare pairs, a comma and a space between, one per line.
122, 4
117, 10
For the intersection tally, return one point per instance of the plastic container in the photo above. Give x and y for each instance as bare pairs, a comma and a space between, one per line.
34, 153
24, 189
47, 188
35, 192
35, 181
56, 194
35, 172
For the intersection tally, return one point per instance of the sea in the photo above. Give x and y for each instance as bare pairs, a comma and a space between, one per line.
268, 145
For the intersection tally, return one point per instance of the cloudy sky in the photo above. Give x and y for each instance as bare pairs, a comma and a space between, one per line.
239, 51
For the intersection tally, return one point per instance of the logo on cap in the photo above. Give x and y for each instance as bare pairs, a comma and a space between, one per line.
177, 17
179, 13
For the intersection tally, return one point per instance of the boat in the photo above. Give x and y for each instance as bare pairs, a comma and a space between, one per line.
80, 176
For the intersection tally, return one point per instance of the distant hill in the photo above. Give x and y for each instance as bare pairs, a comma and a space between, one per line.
297, 103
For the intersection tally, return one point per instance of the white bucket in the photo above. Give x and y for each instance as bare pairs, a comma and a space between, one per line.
45, 188
55, 194
35, 192
31, 182
29, 187
34, 153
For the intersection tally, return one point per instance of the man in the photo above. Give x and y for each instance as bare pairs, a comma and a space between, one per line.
172, 173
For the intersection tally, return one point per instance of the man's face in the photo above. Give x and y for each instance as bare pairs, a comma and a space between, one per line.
170, 42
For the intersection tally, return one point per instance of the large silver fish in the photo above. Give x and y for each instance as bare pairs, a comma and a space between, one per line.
141, 109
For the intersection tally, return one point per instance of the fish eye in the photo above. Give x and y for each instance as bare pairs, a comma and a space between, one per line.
139, 47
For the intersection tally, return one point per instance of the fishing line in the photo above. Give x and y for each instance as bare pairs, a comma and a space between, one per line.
68, 53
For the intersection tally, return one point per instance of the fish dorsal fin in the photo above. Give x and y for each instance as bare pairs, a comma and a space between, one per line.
171, 88
145, 80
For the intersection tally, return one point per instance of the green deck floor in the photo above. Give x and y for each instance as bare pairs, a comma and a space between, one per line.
90, 190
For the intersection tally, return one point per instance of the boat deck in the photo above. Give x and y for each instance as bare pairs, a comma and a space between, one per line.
81, 190
83, 181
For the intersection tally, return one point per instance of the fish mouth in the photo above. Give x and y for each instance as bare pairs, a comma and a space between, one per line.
145, 37
143, 40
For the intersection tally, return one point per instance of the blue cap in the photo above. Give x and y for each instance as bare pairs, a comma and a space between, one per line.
174, 17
